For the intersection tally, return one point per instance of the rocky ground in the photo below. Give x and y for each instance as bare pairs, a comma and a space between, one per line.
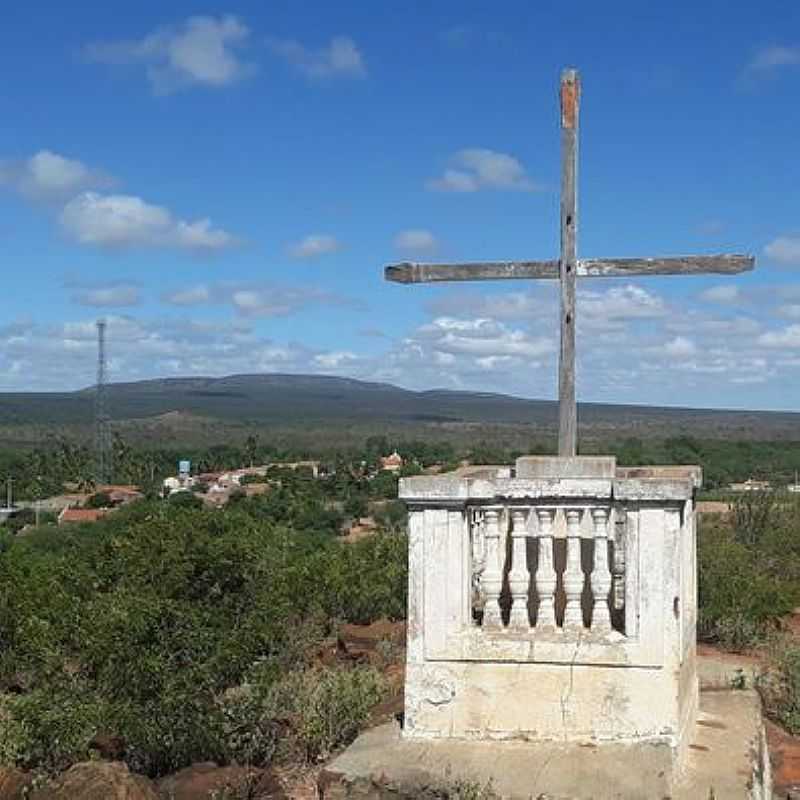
381, 644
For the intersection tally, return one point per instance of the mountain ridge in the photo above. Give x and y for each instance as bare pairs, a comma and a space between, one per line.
292, 400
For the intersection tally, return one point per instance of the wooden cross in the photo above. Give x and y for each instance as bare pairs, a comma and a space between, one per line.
568, 267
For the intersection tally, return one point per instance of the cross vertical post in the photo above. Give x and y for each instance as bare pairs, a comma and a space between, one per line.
567, 268
568, 264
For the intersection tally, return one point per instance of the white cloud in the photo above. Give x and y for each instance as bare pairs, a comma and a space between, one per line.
128, 221
34, 356
788, 338
202, 51
49, 176
416, 241
335, 359
479, 168
340, 58
790, 311
724, 294
616, 304
502, 306
680, 347
768, 59
482, 337
189, 296
784, 250
111, 296
280, 301
314, 245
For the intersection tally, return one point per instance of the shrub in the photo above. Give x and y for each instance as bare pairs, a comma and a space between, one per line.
184, 499
138, 627
779, 684
98, 500
326, 706
743, 588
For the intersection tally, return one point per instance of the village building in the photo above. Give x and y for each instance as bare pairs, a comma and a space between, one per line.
751, 485
392, 462
77, 515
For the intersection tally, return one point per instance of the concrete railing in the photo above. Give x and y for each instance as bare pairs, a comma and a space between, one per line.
554, 564
522, 579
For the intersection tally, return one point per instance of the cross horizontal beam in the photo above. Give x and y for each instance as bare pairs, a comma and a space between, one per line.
408, 272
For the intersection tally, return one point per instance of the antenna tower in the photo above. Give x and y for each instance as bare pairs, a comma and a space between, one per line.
102, 432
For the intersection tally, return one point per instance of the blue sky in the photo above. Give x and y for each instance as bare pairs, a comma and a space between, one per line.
225, 183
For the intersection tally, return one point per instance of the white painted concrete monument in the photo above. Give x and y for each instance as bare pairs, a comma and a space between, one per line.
552, 604
556, 601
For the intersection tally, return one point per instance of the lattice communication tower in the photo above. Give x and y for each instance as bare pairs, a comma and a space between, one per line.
102, 431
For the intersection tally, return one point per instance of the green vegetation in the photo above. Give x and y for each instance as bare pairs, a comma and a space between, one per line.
779, 684
194, 634
749, 569
189, 633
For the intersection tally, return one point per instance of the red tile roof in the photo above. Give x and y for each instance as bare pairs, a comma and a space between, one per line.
81, 515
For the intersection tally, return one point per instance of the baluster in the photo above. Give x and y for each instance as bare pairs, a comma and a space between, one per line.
618, 567
573, 574
601, 574
519, 577
545, 572
478, 556
492, 580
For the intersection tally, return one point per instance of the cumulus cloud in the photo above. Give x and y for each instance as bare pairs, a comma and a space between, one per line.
259, 300
617, 304
605, 309
201, 51
784, 250
111, 296
724, 294
280, 301
476, 168
416, 241
769, 59
482, 337
679, 347
49, 176
128, 221
340, 58
335, 359
55, 357
788, 338
313, 246
189, 296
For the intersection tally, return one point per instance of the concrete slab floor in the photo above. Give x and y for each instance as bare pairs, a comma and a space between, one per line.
727, 761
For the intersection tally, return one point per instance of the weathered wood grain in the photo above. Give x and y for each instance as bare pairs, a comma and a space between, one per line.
490, 271
568, 263
409, 272
673, 265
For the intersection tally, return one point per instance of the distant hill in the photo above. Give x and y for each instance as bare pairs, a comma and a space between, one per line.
309, 402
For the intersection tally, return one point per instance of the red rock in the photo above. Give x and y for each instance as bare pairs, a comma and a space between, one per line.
784, 751
98, 780
200, 780
13, 782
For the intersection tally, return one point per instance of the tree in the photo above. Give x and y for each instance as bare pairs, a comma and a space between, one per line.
98, 500
251, 449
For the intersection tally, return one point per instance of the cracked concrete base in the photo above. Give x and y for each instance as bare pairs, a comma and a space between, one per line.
727, 761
